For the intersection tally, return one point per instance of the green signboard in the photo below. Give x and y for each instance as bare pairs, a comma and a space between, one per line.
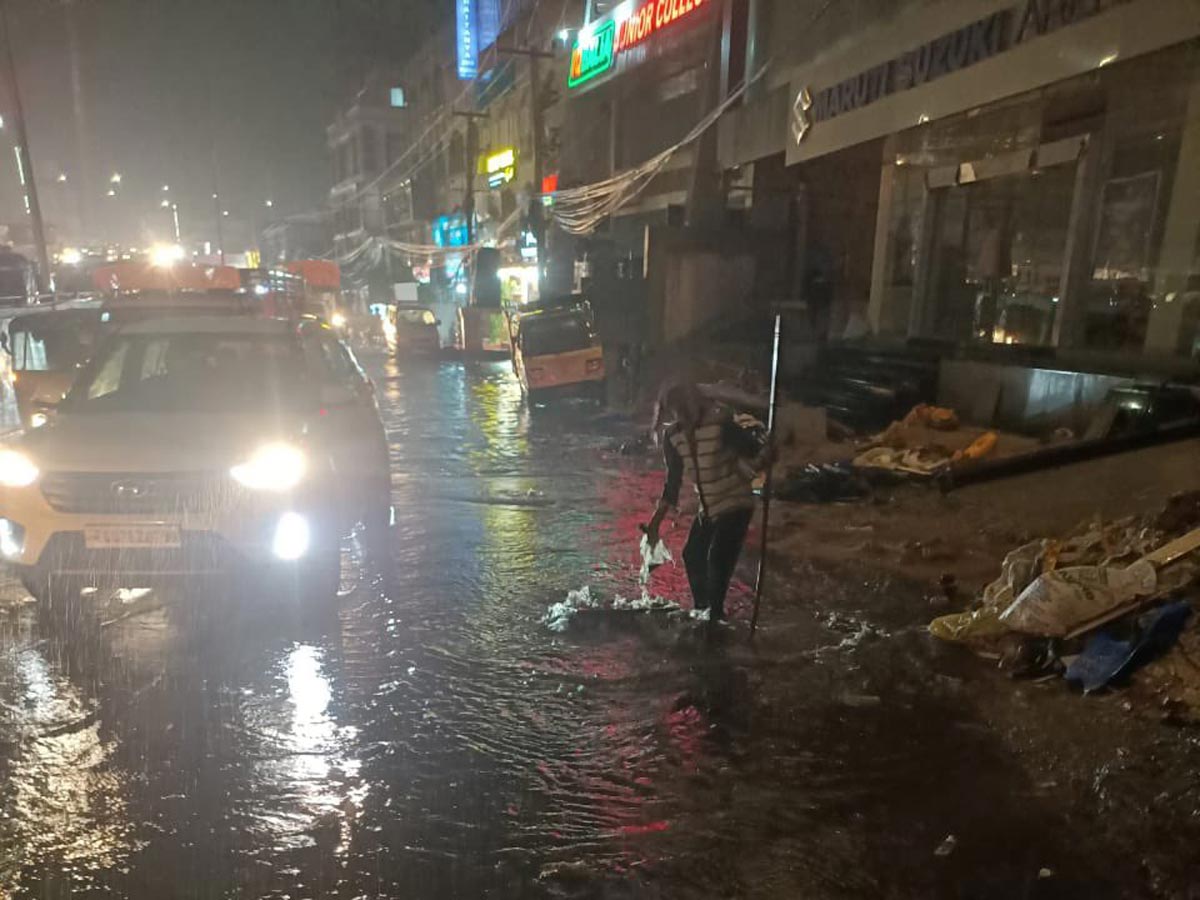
593, 54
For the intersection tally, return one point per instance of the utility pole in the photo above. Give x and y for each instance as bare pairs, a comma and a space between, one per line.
535, 103
472, 156
24, 160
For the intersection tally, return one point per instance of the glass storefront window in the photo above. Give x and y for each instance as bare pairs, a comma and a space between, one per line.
985, 256
997, 257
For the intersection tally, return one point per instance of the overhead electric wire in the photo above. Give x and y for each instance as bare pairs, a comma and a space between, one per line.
579, 210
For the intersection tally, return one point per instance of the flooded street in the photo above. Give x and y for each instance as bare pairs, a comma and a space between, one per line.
438, 741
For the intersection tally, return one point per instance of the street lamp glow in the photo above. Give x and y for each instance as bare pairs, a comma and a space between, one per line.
111, 192
225, 213
165, 204
62, 178
270, 203
70, 256
165, 255
115, 178
166, 187
214, 196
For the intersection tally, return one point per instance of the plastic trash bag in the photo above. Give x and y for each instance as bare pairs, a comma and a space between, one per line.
1058, 601
1108, 658
652, 557
1017, 572
977, 625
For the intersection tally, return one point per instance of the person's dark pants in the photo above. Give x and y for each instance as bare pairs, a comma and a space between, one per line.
710, 556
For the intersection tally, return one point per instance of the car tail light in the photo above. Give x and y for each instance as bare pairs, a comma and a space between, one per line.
593, 365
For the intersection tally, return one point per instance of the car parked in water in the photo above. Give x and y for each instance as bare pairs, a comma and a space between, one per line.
198, 445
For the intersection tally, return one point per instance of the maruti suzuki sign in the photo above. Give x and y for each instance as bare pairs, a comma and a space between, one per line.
602, 41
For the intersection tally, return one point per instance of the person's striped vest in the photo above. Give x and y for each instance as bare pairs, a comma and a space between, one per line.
714, 469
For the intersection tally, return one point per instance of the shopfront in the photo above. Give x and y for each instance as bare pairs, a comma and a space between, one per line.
1039, 177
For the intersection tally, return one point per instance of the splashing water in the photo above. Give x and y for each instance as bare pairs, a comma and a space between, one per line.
558, 616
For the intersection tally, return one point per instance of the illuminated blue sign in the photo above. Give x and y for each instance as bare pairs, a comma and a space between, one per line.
466, 32
476, 26
450, 231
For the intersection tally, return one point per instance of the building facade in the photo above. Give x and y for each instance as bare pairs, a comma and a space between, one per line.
988, 172
363, 140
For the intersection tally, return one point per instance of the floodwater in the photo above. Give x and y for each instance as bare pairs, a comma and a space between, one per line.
437, 741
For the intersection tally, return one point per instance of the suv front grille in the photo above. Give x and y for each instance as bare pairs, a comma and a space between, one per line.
117, 493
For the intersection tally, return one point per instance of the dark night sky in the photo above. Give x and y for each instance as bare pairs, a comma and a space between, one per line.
169, 84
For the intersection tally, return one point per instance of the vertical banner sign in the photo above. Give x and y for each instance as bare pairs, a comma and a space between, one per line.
466, 28
476, 27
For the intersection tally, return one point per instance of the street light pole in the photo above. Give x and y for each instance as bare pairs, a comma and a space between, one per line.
23, 157
220, 233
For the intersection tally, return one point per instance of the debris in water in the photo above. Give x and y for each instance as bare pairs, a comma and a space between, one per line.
559, 615
946, 847
861, 701
644, 603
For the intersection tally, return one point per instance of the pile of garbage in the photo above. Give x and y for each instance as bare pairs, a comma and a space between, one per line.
925, 442
1092, 606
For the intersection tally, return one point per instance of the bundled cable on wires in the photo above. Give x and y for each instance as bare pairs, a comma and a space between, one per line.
370, 253
578, 210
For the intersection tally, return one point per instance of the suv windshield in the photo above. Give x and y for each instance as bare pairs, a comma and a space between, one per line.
192, 372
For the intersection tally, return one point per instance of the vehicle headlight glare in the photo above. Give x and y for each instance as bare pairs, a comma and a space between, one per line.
16, 469
273, 467
337, 320
291, 536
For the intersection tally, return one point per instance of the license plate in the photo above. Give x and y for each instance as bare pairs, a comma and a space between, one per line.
108, 537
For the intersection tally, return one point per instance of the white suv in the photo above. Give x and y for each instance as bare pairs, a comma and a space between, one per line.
197, 445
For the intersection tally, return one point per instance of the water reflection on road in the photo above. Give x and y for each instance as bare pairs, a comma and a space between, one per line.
437, 741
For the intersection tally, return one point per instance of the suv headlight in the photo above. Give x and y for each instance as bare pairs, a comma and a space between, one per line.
272, 467
16, 469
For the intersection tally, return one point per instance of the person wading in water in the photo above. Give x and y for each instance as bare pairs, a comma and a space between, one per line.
701, 440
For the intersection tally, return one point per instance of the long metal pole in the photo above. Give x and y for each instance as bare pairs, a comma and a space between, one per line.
766, 504
26, 161
472, 150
